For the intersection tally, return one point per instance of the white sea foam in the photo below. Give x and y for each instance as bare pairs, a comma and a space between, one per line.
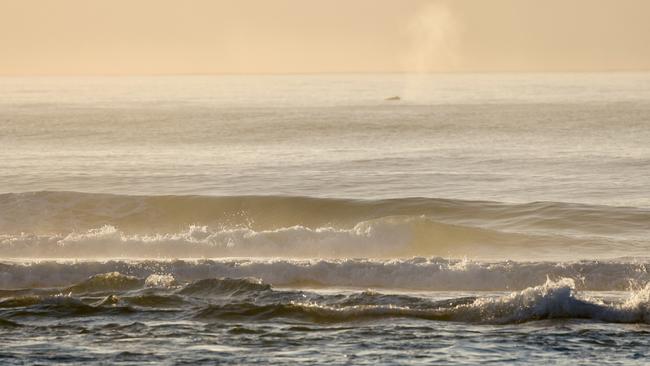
550, 300
415, 274
553, 300
386, 237
160, 281
79, 225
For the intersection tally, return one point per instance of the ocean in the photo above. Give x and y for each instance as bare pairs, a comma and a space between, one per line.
312, 219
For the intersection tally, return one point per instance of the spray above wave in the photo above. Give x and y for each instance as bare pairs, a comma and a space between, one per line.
388, 237
64, 212
59, 224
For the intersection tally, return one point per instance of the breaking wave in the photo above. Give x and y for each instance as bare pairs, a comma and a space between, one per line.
381, 238
552, 300
229, 299
62, 212
80, 225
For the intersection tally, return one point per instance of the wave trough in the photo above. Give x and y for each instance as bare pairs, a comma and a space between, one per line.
431, 274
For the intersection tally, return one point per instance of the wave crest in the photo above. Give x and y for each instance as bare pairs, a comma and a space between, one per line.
106, 282
552, 300
224, 287
71, 224
236, 299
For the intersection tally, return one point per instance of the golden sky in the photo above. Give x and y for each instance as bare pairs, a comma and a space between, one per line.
303, 36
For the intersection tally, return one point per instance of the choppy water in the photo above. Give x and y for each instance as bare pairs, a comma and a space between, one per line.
305, 219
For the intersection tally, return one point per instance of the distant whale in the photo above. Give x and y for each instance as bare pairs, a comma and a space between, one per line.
393, 98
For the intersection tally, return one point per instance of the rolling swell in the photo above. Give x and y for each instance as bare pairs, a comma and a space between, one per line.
68, 254
387, 237
59, 212
80, 225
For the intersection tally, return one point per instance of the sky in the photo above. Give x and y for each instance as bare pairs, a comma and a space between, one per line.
107, 37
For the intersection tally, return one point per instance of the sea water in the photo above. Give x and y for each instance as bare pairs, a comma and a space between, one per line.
307, 219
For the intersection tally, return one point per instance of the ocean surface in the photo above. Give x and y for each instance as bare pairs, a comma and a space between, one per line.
306, 219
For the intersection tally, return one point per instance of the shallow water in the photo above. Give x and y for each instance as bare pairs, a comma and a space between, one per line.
125, 319
305, 219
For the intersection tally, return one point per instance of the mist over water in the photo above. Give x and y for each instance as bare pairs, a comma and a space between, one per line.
434, 32
480, 211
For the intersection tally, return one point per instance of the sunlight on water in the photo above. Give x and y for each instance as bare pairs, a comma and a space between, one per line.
300, 219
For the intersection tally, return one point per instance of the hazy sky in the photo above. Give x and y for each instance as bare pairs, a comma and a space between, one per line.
287, 36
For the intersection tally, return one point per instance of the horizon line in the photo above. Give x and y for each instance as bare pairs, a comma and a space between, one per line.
496, 72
